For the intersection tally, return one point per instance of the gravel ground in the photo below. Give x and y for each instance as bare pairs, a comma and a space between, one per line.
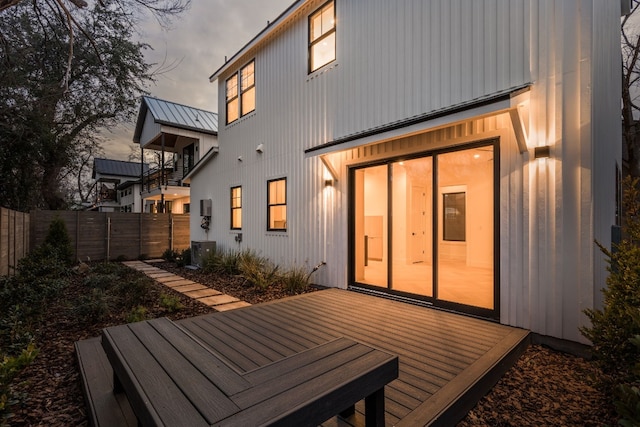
544, 388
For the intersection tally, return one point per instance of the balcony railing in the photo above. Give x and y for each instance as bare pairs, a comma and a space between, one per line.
156, 178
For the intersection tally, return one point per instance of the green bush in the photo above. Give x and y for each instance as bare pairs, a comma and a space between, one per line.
58, 239
171, 303
101, 281
223, 261
257, 270
613, 327
109, 268
93, 306
137, 314
170, 255
184, 258
10, 366
615, 330
133, 291
296, 280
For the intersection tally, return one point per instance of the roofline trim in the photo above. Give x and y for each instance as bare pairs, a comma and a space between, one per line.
207, 156
271, 26
433, 115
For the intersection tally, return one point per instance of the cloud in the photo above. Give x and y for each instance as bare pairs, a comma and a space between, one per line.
191, 50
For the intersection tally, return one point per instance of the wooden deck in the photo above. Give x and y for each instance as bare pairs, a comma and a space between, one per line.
447, 361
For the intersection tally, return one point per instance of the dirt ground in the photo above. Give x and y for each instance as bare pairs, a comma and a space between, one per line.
544, 388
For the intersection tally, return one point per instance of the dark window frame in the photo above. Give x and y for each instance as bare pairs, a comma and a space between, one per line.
239, 92
235, 208
322, 37
270, 205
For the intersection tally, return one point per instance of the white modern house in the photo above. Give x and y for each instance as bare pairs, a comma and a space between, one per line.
179, 136
117, 185
460, 154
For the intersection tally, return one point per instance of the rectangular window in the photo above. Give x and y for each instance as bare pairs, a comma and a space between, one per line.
248, 88
241, 93
232, 99
188, 156
236, 208
277, 205
186, 208
454, 217
322, 36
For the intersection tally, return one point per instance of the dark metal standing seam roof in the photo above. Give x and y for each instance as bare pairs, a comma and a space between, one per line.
117, 167
176, 115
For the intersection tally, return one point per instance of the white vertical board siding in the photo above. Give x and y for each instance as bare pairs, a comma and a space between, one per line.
396, 60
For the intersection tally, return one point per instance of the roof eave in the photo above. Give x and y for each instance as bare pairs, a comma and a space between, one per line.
196, 168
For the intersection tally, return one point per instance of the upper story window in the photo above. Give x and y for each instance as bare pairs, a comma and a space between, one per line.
277, 205
241, 98
236, 208
322, 36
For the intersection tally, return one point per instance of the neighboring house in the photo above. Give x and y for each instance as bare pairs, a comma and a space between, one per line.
459, 154
111, 176
179, 135
130, 196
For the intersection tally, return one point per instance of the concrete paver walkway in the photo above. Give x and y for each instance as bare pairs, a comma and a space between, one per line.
197, 291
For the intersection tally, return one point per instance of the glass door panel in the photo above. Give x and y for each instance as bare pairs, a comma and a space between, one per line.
371, 226
465, 209
412, 219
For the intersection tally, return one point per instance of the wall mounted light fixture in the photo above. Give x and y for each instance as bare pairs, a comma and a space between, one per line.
543, 152
328, 182
260, 148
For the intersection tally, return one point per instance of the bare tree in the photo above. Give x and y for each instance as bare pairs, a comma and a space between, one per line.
630, 88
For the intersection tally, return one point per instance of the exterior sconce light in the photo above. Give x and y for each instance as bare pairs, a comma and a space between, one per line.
543, 152
328, 182
239, 158
260, 148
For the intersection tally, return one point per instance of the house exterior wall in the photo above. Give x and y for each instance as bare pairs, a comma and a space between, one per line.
391, 66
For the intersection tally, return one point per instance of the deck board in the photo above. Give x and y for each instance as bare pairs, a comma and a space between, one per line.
440, 353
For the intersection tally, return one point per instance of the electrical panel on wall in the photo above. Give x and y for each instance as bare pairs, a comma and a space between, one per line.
205, 207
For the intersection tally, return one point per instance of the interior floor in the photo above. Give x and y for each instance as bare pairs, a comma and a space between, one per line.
458, 282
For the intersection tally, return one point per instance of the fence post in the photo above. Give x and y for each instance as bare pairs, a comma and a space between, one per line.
108, 236
171, 231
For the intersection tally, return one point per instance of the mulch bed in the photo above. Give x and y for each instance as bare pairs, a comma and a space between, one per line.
544, 388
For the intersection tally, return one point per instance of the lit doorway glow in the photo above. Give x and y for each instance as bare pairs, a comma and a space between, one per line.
425, 226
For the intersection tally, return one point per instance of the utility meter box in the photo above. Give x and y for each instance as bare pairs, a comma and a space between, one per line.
205, 207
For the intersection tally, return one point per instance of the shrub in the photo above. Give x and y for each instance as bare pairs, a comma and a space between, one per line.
133, 291
109, 268
170, 255
58, 240
170, 302
613, 327
615, 330
296, 280
137, 314
94, 306
223, 261
184, 258
258, 271
101, 281
9, 368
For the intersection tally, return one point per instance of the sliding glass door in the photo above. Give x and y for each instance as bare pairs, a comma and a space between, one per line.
425, 226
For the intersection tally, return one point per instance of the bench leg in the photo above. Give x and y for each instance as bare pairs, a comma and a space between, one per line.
348, 412
374, 409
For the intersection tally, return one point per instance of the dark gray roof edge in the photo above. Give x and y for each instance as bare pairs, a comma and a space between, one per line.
185, 127
180, 104
501, 96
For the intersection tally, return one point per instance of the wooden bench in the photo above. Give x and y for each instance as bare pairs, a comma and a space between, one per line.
171, 379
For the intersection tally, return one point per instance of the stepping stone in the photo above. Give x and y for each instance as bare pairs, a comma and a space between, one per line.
168, 279
218, 299
188, 288
179, 283
154, 260
201, 293
232, 306
159, 274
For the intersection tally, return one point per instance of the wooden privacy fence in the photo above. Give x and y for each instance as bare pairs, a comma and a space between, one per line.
14, 239
98, 236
